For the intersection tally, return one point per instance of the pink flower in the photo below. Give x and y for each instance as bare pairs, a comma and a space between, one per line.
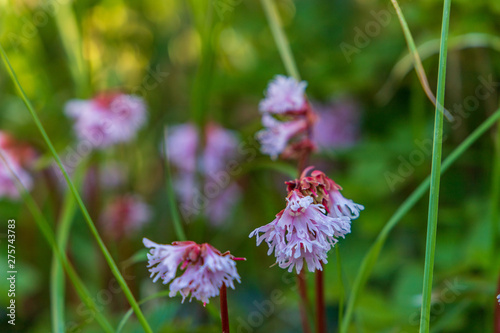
302, 231
205, 268
498, 298
340, 206
338, 124
284, 94
124, 215
107, 119
276, 136
16, 158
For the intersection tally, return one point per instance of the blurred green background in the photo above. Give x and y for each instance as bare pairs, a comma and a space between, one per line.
212, 60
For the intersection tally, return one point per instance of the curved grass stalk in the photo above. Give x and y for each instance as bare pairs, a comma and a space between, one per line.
371, 256
437, 147
417, 61
428, 49
88, 219
44, 227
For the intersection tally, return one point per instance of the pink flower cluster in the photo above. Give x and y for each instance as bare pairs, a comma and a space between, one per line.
125, 215
315, 216
289, 135
205, 268
17, 158
219, 150
107, 119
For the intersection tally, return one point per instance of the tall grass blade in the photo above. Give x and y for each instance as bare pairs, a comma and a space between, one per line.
437, 147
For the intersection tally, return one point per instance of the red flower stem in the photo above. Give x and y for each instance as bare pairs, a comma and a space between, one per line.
497, 312
301, 283
223, 309
320, 303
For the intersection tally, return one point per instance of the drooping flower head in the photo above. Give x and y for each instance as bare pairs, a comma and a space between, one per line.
124, 215
205, 269
302, 232
309, 226
218, 193
107, 119
17, 158
287, 118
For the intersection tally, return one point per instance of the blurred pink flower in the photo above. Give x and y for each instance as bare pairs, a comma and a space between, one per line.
221, 146
107, 119
498, 298
302, 231
17, 157
220, 149
338, 124
205, 268
284, 94
125, 215
218, 209
182, 142
276, 135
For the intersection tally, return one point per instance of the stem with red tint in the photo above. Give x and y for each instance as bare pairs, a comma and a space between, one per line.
223, 309
301, 283
320, 303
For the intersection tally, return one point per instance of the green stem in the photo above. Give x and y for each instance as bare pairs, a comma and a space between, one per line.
90, 223
44, 227
432, 219
371, 256
280, 38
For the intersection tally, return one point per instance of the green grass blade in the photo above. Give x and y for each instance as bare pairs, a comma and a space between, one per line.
44, 227
90, 223
172, 204
57, 282
417, 61
371, 256
280, 38
437, 147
